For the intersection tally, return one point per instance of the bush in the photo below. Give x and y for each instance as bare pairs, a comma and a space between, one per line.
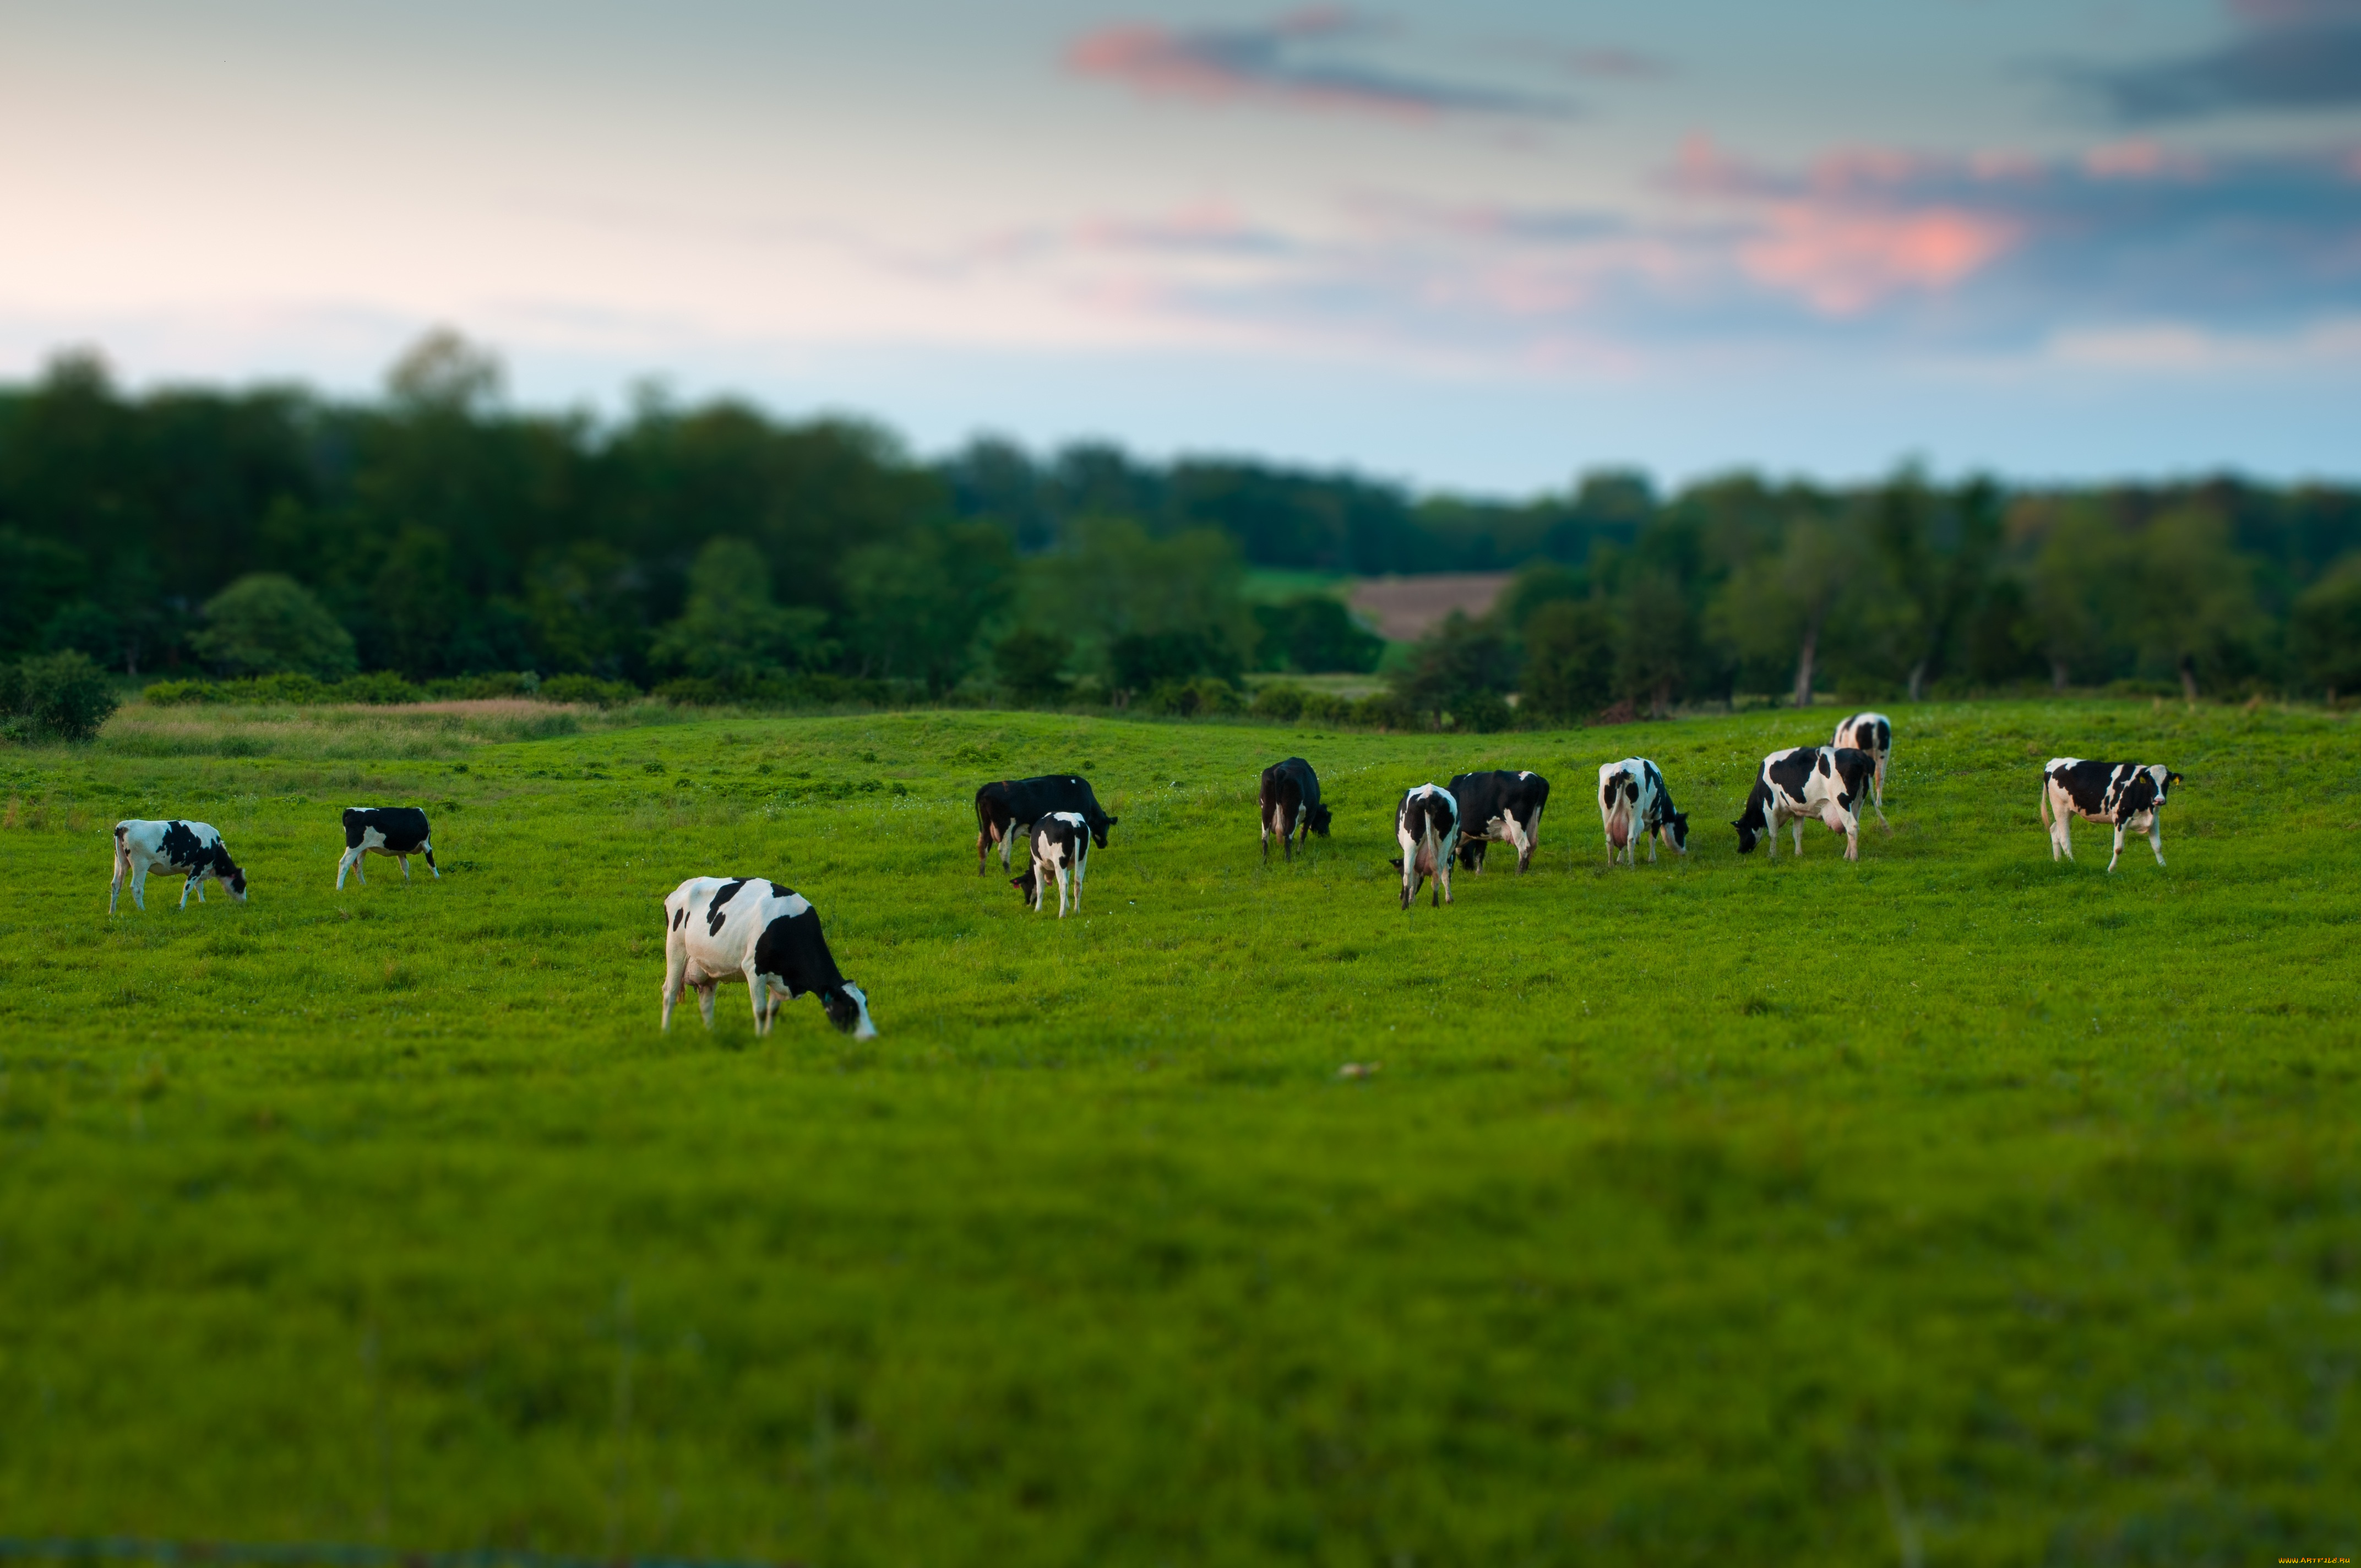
1326, 708
264, 623
493, 683
587, 689
689, 691
379, 689
1386, 711
56, 696
1280, 702
1482, 712
174, 694
288, 689
1030, 663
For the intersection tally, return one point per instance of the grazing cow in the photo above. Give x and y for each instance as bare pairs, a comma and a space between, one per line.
396, 830
1824, 781
1499, 808
731, 928
2123, 793
1004, 809
1426, 825
1061, 845
1872, 733
1290, 806
191, 849
1634, 804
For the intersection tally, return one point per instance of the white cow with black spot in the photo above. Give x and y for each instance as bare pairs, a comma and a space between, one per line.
191, 849
721, 930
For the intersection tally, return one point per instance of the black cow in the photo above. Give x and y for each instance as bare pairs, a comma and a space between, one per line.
397, 831
1290, 806
1499, 808
1004, 809
2123, 793
1426, 825
1826, 782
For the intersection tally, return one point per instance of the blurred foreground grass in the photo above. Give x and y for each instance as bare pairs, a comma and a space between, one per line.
1717, 1211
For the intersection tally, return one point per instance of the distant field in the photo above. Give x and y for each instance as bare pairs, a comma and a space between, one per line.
1951, 1204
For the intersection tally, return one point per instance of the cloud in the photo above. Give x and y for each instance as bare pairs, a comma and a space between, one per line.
2282, 55
1292, 62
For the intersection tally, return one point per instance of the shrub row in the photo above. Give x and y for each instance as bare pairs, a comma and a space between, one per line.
385, 687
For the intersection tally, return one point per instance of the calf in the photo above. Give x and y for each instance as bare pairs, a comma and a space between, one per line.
1004, 809
1290, 806
1872, 733
1426, 825
191, 849
1499, 809
1062, 845
1826, 782
396, 830
2125, 794
1634, 804
743, 927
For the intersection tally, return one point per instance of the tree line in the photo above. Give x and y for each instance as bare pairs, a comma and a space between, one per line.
437, 534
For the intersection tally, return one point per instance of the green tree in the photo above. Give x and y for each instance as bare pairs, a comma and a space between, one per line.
1031, 662
1115, 581
2194, 594
1459, 659
2327, 630
418, 607
1779, 606
266, 623
1569, 671
1659, 635
732, 631
2076, 582
584, 610
913, 607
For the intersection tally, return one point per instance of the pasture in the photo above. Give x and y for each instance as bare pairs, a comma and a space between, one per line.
1951, 1206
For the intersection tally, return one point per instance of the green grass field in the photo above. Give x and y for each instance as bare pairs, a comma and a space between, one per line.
1951, 1206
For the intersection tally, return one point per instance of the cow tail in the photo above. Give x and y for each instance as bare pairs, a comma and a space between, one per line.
2041, 809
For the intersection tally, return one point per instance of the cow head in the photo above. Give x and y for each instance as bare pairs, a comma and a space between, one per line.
235, 882
848, 1008
1023, 884
1316, 820
1099, 831
1676, 831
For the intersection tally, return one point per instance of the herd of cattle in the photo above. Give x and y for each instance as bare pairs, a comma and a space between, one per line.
719, 928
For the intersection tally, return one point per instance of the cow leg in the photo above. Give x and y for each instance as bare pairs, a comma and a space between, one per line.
982, 852
199, 879
139, 888
704, 1001
2156, 840
675, 971
758, 992
405, 868
429, 866
184, 891
2119, 848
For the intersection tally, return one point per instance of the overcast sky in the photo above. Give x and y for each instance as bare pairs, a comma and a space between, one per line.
1485, 246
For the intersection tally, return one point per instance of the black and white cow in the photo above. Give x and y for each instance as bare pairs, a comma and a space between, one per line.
1634, 804
1499, 808
1826, 782
1061, 846
1426, 825
1872, 733
191, 849
397, 831
733, 929
1290, 806
1004, 809
2123, 793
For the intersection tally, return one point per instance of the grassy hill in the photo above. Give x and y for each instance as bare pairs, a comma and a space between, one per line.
1952, 1203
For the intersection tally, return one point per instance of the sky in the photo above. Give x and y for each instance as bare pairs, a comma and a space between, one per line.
1483, 247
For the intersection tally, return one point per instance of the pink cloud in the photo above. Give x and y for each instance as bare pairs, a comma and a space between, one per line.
1844, 259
